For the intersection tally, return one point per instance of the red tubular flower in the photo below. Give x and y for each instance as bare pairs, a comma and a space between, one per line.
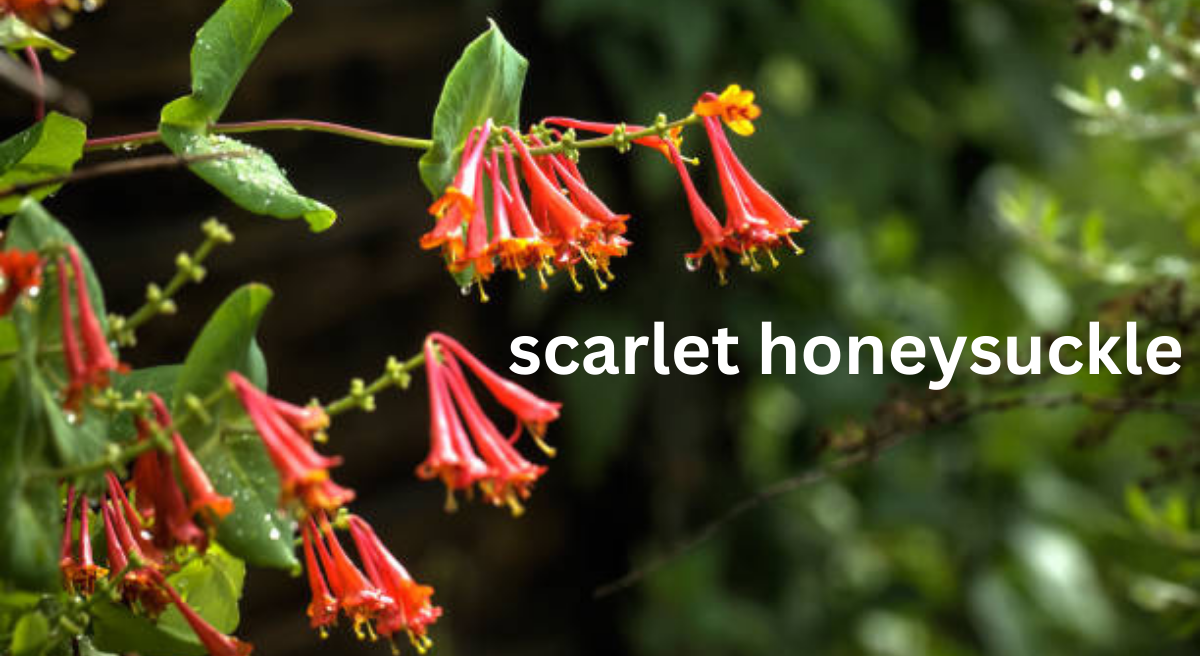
203, 498
412, 612
322, 610
532, 411
451, 457
144, 541
574, 235
85, 571
99, 358
137, 582
358, 598
173, 523
456, 205
20, 271
478, 254
66, 557
502, 474
215, 642
303, 473
510, 476
712, 235
76, 372
535, 247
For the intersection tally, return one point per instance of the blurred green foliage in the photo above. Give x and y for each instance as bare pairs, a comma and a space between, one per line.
971, 167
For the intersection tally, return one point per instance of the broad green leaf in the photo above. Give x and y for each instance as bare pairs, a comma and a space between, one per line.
237, 464
30, 516
31, 634
212, 585
249, 176
116, 629
225, 47
485, 83
16, 34
49, 148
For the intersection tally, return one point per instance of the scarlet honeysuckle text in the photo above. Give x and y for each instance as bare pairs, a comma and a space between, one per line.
823, 355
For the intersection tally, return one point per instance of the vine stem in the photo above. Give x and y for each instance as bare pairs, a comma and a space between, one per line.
868, 451
382, 138
39, 81
396, 374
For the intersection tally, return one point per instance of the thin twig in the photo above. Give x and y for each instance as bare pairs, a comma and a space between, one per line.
877, 445
107, 169
49, 90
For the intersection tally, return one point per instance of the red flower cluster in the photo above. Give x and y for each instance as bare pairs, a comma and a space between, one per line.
384, 601
287, 432
79, 572
160, 496
87, 369
43, 14
478, 454
20, 271
755, 222
563, 224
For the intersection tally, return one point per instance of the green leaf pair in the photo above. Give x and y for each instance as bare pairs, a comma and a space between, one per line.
224, 50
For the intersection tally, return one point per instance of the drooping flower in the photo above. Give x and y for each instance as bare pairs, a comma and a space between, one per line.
173, 523
412, 610
80, 573
203, 499
755, 221
576, 236
131, 516
303, 473
457, 204
86, 352
712, 234
215, 642
322, 610
20, 271
531, 411
735, 106
487, 459
98, 357
358, 598
126, 560
451, 457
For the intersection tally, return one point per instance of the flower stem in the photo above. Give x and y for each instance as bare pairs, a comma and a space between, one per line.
39, 80
362, 395
189, 268
660, 129
142, 138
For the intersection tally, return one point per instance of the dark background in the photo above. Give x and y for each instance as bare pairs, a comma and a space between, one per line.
889, 123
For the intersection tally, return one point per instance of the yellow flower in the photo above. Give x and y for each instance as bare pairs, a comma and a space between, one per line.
735, 106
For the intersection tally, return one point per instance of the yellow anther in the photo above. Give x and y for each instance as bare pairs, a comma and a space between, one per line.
575, 279
483, 297
546, 448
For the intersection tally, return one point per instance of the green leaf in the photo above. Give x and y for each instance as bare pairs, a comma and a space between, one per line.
16, 34
486, 82
160, 380
212, 585
225, 47
116, 629
249, 177
238, 464
31, 634
49, 148
30, 515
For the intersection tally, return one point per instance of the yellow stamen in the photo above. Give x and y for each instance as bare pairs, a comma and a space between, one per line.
451, 504
546, 448
514, 504
483, 297
574, 279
